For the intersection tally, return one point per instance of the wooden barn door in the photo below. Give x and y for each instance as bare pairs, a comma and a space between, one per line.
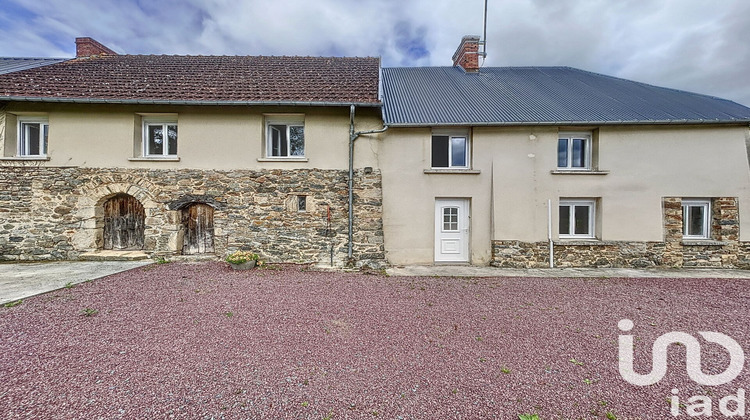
123, 223
198, 224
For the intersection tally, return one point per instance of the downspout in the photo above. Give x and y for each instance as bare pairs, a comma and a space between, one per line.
549, 235
352, 137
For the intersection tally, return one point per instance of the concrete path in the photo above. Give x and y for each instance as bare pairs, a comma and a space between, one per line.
474, 271
22, 280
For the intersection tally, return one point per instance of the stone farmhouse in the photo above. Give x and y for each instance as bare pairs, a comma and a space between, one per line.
333, 160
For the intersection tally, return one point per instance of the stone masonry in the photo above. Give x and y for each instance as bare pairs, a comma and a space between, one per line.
723, 250
49, 213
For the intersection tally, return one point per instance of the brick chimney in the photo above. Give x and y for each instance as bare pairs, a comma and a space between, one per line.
86, 47
467, 54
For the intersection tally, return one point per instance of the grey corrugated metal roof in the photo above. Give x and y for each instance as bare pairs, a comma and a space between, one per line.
414, 96
11, 64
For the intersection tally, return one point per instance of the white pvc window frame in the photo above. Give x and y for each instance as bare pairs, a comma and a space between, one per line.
25, 141
688, 206
278, 130
571, 223
164, 124
452, 149
571, 139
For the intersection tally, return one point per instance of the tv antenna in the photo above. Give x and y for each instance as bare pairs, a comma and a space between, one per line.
484, 36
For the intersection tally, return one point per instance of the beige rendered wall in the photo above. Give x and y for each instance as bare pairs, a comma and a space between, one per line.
208, 137
643, 164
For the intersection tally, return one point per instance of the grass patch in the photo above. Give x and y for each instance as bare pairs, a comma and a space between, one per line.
12, 303
89, 312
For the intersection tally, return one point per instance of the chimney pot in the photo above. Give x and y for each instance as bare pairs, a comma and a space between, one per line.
467, 54
86, 47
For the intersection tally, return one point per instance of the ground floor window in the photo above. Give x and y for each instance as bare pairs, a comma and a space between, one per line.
696, 219
577, 218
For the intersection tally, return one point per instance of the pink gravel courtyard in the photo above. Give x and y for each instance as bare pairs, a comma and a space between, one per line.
200, 340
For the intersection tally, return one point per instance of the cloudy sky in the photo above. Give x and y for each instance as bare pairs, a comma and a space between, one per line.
696, 45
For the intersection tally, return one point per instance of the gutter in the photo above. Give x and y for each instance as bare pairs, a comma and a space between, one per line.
563, 123
352, 137
179, 102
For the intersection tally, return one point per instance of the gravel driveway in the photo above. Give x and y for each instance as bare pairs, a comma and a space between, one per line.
199, 340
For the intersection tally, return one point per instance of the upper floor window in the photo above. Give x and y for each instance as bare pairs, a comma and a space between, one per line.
696, 219
577, 219
574, 151
159, 137
450, 151
32, 136
285, 136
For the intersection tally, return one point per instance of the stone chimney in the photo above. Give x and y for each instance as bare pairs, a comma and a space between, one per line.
86, 47
467, 54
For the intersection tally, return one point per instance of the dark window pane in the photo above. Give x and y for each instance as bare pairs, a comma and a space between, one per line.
297, 140
155, 140
579, 153
32, 137
439, 151
564, 220
45, 134
278, 140
695, 218
562, 153
301, 203
582, 220
458, 151
172, 137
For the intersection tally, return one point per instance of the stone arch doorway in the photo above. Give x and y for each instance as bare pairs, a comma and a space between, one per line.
198, 229
124, 221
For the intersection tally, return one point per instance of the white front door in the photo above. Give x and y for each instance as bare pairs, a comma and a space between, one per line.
451, 230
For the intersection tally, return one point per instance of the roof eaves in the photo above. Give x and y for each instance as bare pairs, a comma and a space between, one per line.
568, 123
182, 102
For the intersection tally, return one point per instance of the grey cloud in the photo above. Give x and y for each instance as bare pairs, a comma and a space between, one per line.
688, 44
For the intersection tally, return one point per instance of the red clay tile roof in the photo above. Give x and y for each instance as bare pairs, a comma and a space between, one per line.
165, 78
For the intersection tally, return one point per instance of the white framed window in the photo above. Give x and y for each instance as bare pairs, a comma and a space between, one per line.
32, 137
696, 219
160, 137
574, 151
577, 219
450, 151
285, 136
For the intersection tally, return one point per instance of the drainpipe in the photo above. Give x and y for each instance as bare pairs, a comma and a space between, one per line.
352, 137
549, 235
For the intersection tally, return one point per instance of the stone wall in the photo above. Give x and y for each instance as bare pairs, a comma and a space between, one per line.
57, 213
723, 250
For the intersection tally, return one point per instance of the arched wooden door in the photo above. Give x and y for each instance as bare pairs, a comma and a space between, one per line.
123, 223
198, 225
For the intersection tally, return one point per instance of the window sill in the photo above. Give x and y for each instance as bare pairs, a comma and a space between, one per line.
284, 159
453, 171
577, 172
26, 158
154, 159
702, 242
